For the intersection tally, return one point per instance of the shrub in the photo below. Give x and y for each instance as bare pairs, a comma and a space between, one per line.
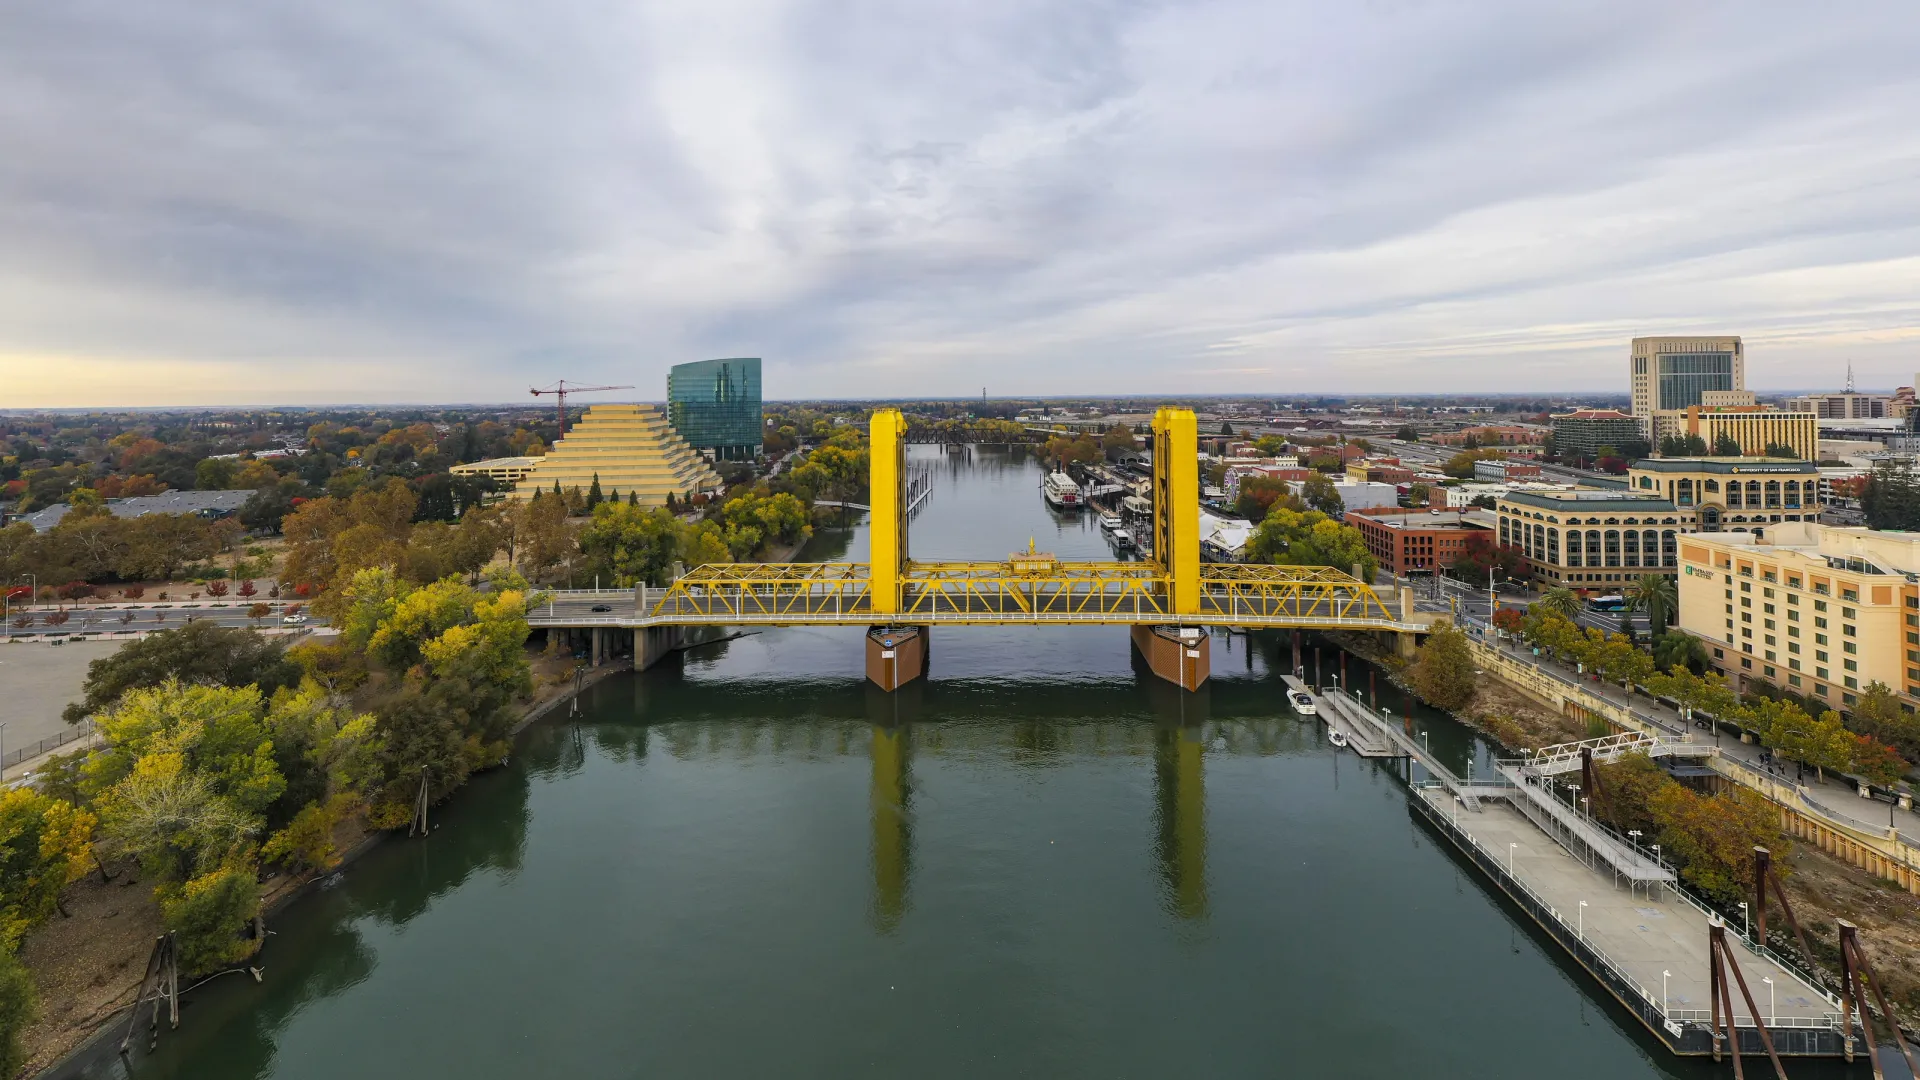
207, 915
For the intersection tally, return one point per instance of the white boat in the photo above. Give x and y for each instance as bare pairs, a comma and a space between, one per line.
1122, 539
1061, 492
1302, 702
1110, 522
1337, 737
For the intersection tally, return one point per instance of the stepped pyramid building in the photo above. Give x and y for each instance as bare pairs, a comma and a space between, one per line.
631, 448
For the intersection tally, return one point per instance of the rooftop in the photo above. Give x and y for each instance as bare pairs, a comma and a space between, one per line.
1743, 466
206, 503
1591, 499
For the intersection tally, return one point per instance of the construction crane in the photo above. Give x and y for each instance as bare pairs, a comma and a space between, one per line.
560, 390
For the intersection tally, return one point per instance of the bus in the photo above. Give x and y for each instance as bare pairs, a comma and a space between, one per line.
1607, 603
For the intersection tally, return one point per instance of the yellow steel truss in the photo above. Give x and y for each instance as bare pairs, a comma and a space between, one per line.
1114, 593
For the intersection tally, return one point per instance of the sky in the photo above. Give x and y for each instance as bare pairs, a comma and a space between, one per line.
331, 201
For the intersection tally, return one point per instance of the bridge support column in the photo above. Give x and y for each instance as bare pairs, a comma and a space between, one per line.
1179, 655
896, 655
653, 644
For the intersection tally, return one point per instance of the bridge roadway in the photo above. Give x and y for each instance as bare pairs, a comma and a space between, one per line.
934, 594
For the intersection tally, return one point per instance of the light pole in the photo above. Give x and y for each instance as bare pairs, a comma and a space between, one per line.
1656, 853
1635, 833
1770, 1013
1664, 976
1745, 920
1583, 920
1511, 848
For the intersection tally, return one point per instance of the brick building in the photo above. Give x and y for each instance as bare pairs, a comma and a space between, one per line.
1414, 541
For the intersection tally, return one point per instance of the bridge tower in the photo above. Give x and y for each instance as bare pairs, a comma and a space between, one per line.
1179, 656
1176, 507
888, 513
895, 654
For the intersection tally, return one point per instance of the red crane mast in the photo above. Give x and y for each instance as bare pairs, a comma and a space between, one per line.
560, 390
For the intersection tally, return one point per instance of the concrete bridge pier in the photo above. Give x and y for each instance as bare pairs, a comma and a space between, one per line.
653, 644
897, 655
1180, 655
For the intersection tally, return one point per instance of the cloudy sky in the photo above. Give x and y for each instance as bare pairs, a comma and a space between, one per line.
308, 201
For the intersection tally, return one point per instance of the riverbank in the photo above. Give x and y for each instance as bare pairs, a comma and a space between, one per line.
1499, 710
87, 967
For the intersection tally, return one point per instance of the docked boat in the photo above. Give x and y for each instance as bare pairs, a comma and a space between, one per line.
1298, 697
1122, 539
1061, 492
1110, 522
1337, 737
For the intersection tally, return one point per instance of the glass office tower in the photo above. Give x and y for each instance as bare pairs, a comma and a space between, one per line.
715, 406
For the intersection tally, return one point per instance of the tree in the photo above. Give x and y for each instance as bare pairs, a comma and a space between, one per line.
1320, 493
1460, 465
1712, 837
1560, 601
1891, 498
1725, 445
19, 1008
45, 844
1781, 450
1681, 648
1677, 446
1119, 441
1479, 554
594, 496
219, 732
171, 820
1443, 670
259, 611
1658, 596
1407, 434
1877, 762
207, 915
1822, 743
200, 653
1878, 713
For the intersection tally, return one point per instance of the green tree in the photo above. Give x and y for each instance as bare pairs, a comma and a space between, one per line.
1407, 434
1560, 601
19, 1008
1320, 493
1679, 647
1443, 670
1725, 445
1118, 441
171, 820
594, 495
1877, 762
1781, 450
1878, 713
1658, 596
207, 915
1891, 498
1712, 837
220, 730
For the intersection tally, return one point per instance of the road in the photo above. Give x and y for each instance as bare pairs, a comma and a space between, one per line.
100, 618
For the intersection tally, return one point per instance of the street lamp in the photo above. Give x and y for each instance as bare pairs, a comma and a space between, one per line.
1656, 853
1745, 920
1770, 1014
1583, 920
1635, 833
1664, 976
1511, 848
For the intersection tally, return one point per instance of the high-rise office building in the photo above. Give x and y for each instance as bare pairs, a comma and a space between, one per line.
715, 406
1668, 373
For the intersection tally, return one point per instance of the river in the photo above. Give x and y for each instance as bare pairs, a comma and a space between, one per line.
1040, 862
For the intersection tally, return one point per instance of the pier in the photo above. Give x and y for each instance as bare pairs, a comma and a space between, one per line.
1614, 907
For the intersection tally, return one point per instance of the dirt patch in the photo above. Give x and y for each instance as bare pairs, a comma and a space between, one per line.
1517, 720
1823, 889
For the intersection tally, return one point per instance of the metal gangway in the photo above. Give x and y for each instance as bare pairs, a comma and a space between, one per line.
1567, 757
1584, 838
1390, 741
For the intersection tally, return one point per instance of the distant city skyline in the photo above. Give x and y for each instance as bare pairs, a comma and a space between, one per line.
349, 202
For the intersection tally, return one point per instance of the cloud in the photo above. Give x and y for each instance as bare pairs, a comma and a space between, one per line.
450, 201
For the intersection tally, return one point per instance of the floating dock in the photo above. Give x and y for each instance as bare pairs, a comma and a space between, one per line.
1611, 905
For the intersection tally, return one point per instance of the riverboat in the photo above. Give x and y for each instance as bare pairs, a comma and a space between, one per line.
1111, 523
1337, 737
1122, 539
1061, 492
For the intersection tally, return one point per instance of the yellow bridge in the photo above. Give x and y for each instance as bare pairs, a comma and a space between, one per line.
1167, 600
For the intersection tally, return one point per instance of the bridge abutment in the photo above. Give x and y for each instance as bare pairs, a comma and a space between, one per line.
1180, 655
897, 655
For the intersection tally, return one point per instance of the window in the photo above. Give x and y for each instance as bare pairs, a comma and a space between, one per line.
1768, 608
1768, 593
1848, 646
1793, 582
1850, 665
1792, 615
1847, 629
1820, 623
1850, 594
1746, 586
1793, 646
1792, 599
1819, 639
1768, 623
1793, 631
1848, 613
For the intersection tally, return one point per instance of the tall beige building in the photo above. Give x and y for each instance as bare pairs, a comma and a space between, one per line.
631, 448
1668, 373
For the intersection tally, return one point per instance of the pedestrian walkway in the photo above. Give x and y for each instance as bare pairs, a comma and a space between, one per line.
1835, 797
